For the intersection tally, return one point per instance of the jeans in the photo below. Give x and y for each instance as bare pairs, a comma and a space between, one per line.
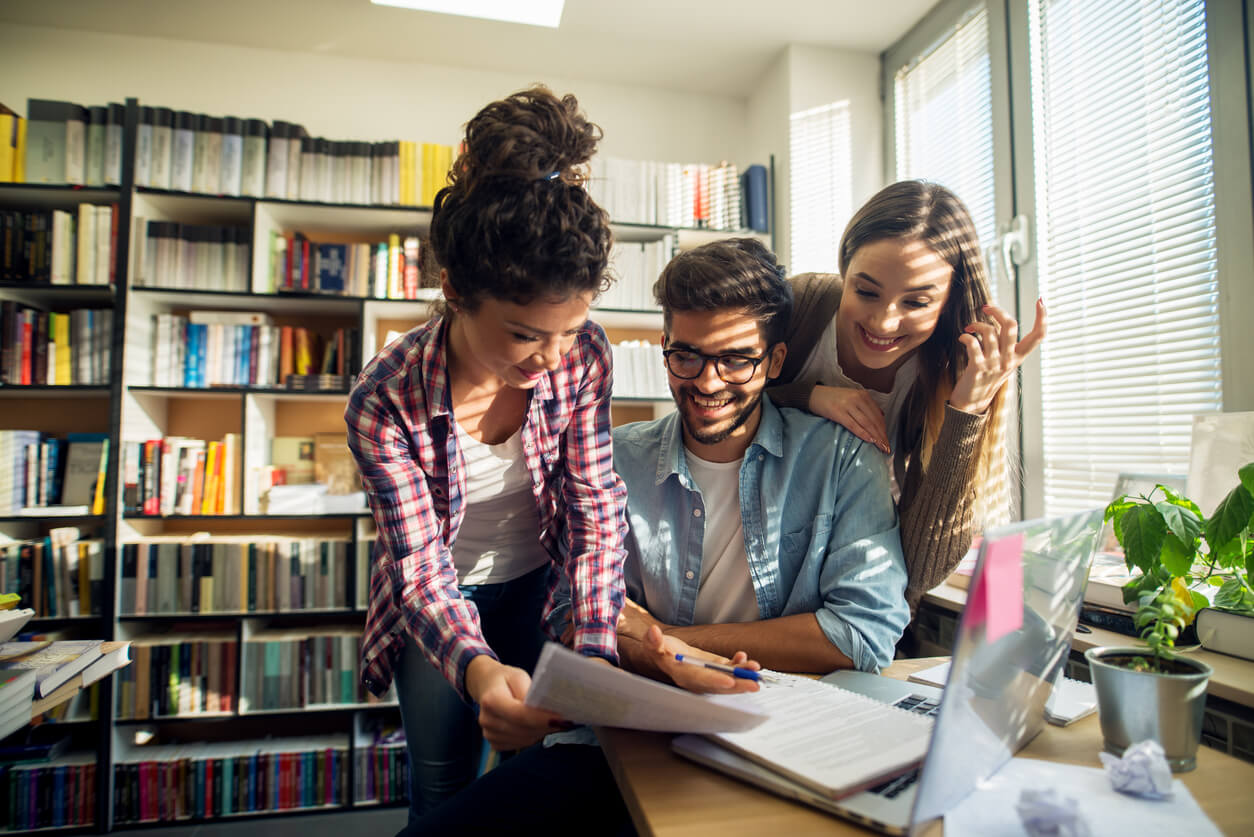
566, 789
442, 732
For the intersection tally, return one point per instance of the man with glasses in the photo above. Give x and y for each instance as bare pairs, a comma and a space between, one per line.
753, 528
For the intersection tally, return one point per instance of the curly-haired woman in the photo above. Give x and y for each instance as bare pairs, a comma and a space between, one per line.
484, 439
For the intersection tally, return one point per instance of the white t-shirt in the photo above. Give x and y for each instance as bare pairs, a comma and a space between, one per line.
499, 539
726, 590
823, 365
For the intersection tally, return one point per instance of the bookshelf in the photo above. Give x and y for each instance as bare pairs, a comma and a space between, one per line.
199, 641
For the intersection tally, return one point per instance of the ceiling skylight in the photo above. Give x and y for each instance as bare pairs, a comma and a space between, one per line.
532, 12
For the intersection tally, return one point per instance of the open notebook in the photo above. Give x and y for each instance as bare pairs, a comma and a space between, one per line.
864, 742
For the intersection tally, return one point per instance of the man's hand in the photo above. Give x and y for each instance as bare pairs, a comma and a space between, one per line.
663, 648
634, 621
507, 722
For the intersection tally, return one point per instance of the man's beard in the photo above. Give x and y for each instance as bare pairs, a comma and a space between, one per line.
707, 436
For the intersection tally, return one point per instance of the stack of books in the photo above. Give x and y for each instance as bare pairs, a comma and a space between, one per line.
60, 247
54, 348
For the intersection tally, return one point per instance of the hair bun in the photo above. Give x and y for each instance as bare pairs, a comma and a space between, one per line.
527, 136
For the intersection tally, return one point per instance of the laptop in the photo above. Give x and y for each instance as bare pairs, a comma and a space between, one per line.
1013, 642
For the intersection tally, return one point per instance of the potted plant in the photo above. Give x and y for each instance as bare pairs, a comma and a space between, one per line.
1152, 691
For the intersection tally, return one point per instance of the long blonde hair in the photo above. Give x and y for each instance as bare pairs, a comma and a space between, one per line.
930, 213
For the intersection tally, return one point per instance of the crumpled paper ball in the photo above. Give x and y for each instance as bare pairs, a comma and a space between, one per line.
1142, 771
1046, 813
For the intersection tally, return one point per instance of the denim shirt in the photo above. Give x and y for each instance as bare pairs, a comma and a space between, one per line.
819, 523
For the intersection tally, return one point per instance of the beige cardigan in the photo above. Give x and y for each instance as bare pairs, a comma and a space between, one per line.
936, 506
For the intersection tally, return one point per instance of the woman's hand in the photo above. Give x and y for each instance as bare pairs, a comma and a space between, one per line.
854, 410
664, 647
994, 352
507, 722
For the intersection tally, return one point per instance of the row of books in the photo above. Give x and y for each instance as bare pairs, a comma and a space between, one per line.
393, 269
283, 670
196, 152
381, 773
54, 348
194, 257
49, 475
635, 266
640, 370
53, 794
59, 247
179, 675
58, 575
179, 475
64, 142
246, 349
233, 574
170, 782
668, 194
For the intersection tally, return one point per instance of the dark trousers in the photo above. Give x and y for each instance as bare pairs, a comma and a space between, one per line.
566, 789
442, 732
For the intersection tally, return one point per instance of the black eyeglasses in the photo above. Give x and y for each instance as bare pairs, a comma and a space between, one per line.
733, 369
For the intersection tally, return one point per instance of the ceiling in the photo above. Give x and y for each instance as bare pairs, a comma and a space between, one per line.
717, 47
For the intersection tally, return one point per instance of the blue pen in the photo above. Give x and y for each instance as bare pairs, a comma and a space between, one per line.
734, 671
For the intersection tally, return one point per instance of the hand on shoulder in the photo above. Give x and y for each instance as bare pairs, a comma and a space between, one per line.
854, 410
994, 352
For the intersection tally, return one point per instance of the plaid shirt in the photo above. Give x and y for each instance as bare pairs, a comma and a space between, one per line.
400, 429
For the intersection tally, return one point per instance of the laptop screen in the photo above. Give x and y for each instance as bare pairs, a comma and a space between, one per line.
1013, 639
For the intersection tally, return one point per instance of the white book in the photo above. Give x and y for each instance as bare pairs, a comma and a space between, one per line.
54, 663
85, 267
103, 244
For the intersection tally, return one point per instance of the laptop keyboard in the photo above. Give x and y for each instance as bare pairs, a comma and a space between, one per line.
893, 787
918, 704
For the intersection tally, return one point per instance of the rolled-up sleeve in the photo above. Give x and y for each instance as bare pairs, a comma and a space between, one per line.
595, 500
863, 578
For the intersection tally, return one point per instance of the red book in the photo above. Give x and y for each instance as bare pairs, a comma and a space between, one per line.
28, 346
288, 254
410, 275
209, 787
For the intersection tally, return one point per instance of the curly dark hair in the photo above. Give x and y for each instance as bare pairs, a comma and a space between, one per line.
731, 273
514, 222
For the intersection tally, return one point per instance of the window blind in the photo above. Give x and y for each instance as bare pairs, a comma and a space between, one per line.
944, 121
1125, 239
820, 185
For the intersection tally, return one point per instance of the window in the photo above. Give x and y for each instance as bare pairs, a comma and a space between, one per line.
1121, 131
820, 186
944, 119
1126, 252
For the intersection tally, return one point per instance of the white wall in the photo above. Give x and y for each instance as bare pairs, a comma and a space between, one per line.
342, 98
768, 134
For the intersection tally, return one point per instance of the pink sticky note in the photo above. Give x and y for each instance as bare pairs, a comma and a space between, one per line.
996, 598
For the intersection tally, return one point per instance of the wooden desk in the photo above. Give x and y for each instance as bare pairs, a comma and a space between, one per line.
670, 796
1233, 678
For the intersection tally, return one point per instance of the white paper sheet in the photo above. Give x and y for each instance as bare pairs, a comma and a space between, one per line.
586, 692
990, 809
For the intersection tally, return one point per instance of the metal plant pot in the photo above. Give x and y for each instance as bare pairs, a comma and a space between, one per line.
1136, 705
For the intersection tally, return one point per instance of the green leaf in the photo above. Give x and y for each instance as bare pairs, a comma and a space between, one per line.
1117, 508
1227, 555
1231, 595
1231, 517
1141, 585
1181, 521
1183, 502
1199, 600
1143, 530
1246, 474
1177, 558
